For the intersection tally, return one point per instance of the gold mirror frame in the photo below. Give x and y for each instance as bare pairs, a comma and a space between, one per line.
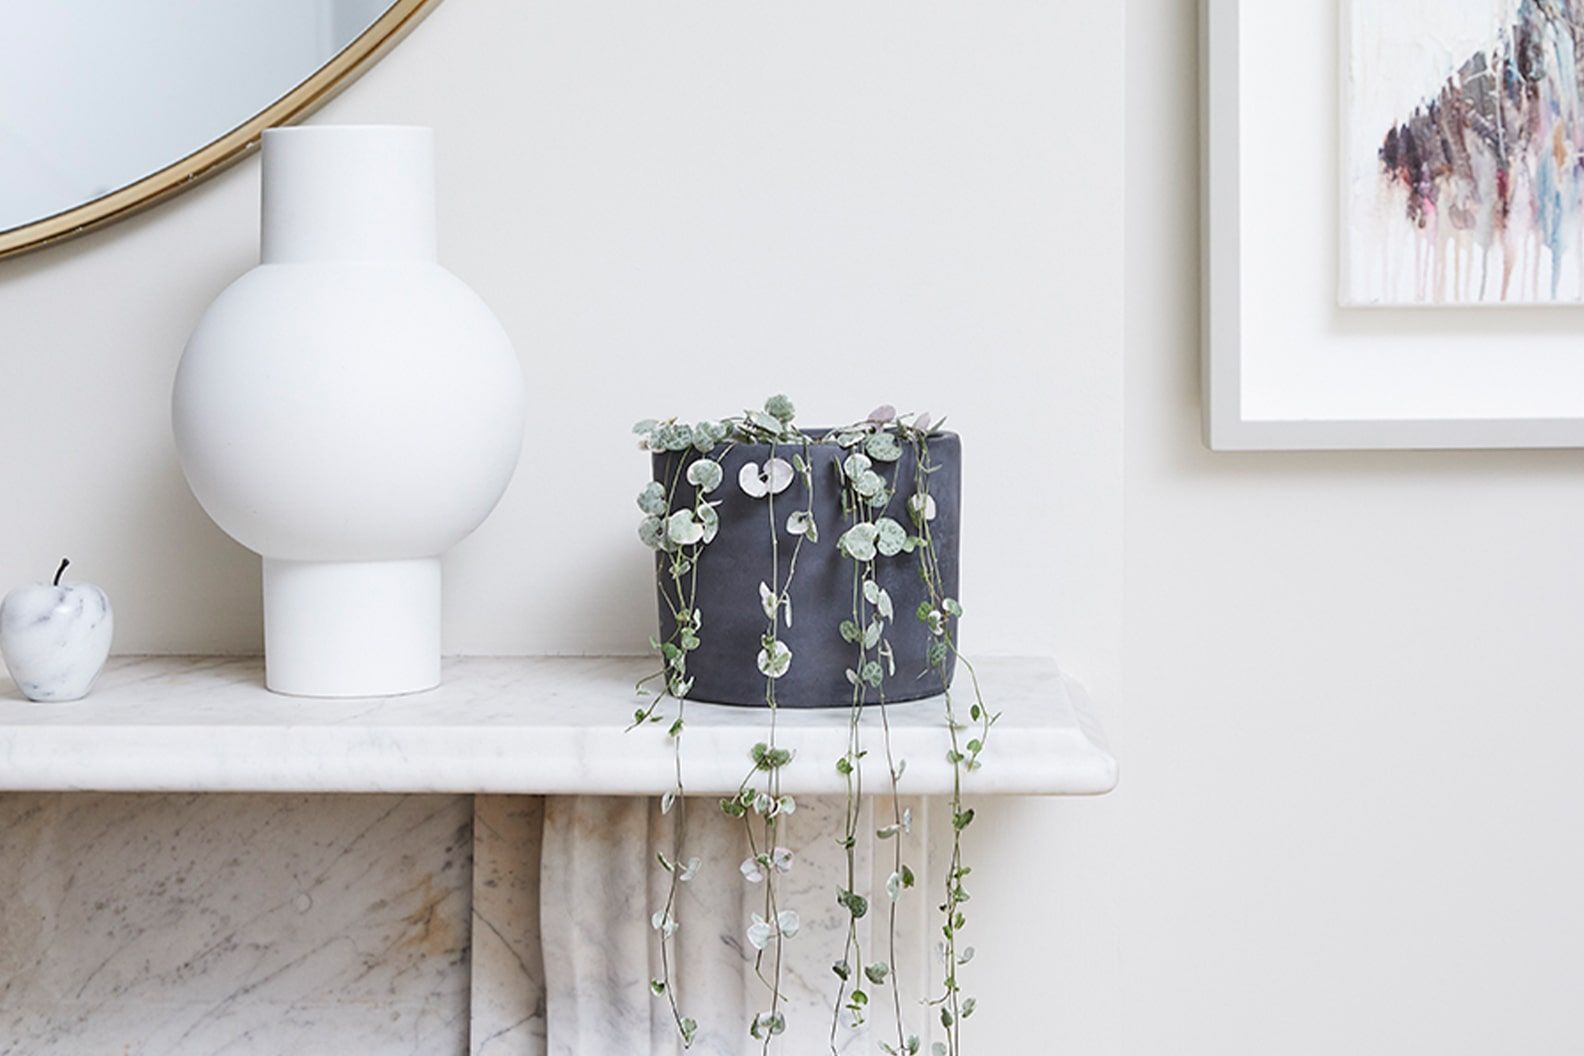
342, 69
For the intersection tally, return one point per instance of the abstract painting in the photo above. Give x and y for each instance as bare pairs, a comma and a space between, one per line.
1463, 132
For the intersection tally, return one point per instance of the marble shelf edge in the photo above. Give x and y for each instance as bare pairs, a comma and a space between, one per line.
509, 726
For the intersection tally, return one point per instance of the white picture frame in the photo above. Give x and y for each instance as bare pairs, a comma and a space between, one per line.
1286, 366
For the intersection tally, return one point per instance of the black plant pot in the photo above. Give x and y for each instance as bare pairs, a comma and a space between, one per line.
724, 667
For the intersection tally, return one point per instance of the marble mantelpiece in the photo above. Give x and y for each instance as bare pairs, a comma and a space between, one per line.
509, 922
537, 726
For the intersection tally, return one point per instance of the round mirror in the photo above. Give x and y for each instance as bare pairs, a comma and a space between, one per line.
109, 107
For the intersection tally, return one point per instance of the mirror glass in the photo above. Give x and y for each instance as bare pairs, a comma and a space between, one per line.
95, 95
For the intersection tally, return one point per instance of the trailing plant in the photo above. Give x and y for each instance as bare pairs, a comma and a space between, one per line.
879, 525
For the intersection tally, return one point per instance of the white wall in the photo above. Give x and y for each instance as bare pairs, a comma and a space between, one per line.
680, 208
1351, 803
1352, 799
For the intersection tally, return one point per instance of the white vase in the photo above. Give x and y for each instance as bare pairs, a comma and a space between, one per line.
349, 410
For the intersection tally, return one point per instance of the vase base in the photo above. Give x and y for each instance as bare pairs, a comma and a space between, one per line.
351, 629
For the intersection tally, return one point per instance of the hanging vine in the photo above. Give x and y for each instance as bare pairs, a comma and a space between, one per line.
680, 522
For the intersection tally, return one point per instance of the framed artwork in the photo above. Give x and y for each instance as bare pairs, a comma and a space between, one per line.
1394, 223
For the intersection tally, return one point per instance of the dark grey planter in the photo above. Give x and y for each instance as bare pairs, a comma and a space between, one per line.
724, 667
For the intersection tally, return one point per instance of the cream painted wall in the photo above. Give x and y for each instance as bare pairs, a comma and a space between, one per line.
1351, 808
1352, 802
682, 207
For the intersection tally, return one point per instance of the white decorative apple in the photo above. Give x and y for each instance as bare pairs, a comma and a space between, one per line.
55, 637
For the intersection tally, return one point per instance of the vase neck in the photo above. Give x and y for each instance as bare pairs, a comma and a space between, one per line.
358, 192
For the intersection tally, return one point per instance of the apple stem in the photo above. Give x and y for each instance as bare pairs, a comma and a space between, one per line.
61, 570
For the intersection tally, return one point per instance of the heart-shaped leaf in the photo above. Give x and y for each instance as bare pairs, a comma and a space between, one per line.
752, 482
684, 529
772, 479
775, 660
883, 447
705, 474
856, 463
858, 542
652, 499
652, 532
890, 537
801, 522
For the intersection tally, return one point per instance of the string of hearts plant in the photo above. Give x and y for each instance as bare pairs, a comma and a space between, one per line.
680, 522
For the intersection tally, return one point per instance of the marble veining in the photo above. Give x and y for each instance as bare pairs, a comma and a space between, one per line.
508, 982
173, 925
539, 725
55, 638
575, 981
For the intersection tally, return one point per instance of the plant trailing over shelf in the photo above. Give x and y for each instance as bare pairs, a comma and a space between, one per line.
880, 471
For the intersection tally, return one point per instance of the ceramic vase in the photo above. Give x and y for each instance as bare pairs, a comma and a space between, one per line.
349, 410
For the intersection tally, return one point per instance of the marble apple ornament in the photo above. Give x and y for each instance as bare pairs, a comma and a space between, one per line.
55, 637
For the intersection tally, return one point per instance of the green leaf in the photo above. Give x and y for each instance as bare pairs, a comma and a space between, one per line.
873, 673
876, 973
952, 607
709, 520
871, 638
684, 529
883, 447
858, 542
890, 537
853, 903
652, 532
766, 422
780, 408
801, 522
869, 484
937, 653
850, 631
652, 499
706, 435
775, 660
705, 474
856, 465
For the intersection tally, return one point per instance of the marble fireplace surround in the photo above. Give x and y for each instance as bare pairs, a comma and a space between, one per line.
194, 865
